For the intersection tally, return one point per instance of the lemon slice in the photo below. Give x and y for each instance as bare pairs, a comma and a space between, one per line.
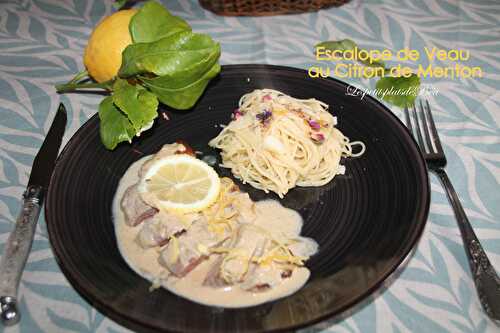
180, 183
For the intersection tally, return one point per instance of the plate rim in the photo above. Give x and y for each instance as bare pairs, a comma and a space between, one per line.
132, 323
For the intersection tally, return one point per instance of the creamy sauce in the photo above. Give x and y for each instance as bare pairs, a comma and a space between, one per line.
269, 214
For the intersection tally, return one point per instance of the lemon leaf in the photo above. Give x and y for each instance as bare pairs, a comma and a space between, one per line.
342, 45
119, 4
400, 91
179, 91
176, 68
138, 104
184, 51
114, 125
153, 22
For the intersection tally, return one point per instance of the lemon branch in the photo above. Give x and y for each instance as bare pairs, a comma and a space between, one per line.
67, 87
79, 82
79, 76
130, 37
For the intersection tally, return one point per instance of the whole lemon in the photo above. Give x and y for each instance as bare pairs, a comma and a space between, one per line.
103, 54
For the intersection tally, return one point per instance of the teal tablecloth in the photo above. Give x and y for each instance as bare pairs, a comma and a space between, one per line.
42, 41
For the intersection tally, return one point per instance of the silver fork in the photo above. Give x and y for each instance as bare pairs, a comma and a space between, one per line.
421, 125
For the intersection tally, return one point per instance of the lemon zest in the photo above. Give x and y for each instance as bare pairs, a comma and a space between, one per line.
176, 250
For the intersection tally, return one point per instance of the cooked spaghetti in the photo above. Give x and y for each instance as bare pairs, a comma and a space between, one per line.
276, 142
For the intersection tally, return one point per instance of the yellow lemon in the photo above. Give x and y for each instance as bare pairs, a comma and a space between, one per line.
103, 54
180, 183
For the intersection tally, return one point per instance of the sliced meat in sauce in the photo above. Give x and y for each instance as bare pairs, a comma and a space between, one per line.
249, 243
262, 277
187, 148
213, 278
245, 207
134, 208
192, 247
157, 230
303, 247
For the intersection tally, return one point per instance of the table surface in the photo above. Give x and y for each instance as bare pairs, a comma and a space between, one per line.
42, 42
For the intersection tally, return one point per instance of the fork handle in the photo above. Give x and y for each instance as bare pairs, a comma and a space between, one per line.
485, 278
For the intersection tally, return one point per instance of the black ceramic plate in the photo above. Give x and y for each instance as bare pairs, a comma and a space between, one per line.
365, 222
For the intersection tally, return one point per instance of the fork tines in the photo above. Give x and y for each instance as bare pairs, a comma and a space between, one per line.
421, 124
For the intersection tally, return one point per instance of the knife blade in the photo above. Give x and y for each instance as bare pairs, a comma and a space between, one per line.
20, 240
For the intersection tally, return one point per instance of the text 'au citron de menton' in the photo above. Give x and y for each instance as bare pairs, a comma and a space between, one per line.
373, 57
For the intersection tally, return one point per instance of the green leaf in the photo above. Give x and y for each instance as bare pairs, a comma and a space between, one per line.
138, 104
153, 22
114, 126
342, 45
176, 68
119, 4
184, 51
179, 91
373, 63
400, 91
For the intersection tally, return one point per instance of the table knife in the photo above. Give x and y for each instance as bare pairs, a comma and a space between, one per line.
19, 243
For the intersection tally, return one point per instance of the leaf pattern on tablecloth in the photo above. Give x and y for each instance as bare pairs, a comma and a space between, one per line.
42, 42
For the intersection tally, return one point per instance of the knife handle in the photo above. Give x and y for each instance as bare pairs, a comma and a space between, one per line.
16, 253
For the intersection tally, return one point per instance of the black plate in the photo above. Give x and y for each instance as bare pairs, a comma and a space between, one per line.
365, 222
